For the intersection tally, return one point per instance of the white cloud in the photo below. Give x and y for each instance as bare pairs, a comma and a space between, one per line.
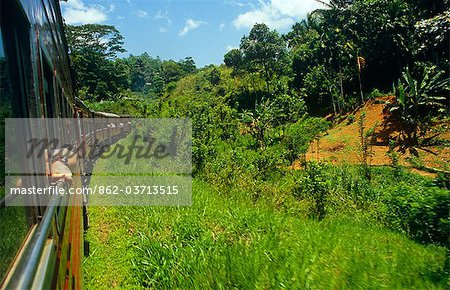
164, 15
141, 13
191, 24
76, 12
238, 3
277, 14
221, 26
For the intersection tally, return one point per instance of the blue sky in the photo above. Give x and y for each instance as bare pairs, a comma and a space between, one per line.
174, 29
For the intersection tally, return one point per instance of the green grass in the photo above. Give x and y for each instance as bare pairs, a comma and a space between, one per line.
228, 241
234, 238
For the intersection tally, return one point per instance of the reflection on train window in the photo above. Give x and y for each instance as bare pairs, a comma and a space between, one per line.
5, 106
48, 90
14, 81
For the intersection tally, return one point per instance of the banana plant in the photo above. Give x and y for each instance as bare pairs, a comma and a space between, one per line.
418, 100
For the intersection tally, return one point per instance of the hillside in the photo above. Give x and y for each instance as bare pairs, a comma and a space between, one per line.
341, 144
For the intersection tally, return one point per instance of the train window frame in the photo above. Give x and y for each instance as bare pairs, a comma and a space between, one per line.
59, 97
48, 83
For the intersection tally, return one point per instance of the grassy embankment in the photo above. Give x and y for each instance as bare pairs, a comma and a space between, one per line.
227, 240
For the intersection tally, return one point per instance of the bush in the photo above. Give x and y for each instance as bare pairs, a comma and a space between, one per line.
350, 119
402, 201
301, 133
375, 93
421, 212
313, 184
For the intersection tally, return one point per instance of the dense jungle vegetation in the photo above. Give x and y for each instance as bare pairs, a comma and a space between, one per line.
257, 222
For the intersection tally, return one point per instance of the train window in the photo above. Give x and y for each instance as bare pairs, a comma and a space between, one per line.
5, 109
14, 88
49, 90
16, 46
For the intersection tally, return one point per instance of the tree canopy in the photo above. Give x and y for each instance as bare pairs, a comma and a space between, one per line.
93, 49
101, 75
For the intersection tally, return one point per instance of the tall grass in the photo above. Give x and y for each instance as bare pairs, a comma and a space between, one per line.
320, 227
231, 241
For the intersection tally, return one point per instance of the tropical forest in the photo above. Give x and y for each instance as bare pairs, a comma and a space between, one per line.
320, 156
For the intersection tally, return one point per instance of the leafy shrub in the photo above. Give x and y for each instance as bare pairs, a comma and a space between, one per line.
422, 212
237, 166
442, 181
375, 93
319, 84
301, 133
314, 184
393, 156
402, 201
350, 119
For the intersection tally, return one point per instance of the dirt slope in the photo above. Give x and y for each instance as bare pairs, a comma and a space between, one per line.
341, 144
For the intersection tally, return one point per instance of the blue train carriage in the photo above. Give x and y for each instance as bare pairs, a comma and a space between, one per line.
41, 246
